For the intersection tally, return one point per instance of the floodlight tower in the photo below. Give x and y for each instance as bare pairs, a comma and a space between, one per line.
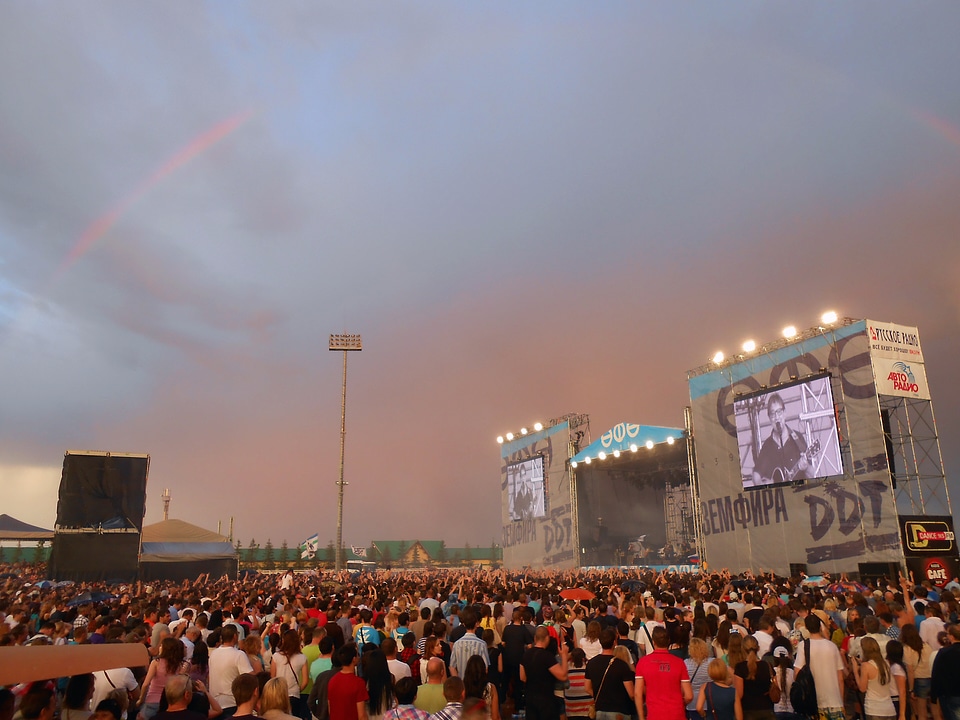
345, 343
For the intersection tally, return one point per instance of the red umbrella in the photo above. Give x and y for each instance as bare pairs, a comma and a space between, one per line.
577, 594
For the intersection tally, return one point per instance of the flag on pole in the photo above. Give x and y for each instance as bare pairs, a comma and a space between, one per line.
308, 548
359, 551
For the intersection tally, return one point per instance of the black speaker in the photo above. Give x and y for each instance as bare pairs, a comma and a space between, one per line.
888, 444
874, 572
83, 556
102, 491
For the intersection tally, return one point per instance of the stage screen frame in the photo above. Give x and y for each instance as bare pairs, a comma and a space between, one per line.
537, 486
809, 411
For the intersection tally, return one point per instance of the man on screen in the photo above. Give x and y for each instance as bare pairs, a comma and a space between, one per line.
783, 456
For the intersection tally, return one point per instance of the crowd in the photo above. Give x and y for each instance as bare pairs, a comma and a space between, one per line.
488, 644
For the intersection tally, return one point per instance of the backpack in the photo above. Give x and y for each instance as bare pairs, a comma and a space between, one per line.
803, 692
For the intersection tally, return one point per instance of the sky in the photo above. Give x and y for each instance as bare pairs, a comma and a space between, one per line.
526, 209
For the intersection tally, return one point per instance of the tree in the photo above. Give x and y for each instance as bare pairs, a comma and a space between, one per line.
284, 554
38, 554
330, 553
386, 557
18, 552
455, 560
252, 551
372, 553
401, 552
467, 553
494, 553
268, 560
442, 553
416, 556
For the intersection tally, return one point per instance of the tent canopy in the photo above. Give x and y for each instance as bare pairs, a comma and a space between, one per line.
13, 529
179, 541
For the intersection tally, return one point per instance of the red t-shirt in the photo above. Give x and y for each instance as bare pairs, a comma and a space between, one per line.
343, 693
662, 674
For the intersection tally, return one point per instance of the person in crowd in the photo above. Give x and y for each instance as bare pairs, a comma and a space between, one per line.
753, 680
289, 664
540, 670
430, 697
477, 685
169, 662
874, 680
227, 662
611, 680
697, 662
826, 667
379, 680
718, 699
406, 691
578, 700
662, 686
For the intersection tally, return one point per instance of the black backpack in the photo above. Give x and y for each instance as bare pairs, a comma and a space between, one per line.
803, 692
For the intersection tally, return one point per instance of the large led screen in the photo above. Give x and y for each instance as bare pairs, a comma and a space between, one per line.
525, 489
788, 433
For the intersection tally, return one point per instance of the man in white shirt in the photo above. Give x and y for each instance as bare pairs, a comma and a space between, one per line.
931, 626
826, 666
106, 681
398, 668
764, 635
644, 638
226, 663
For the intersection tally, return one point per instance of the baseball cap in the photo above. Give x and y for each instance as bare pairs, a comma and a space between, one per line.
647, 594
780, 651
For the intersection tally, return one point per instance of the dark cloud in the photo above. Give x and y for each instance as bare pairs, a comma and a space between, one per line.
525, 211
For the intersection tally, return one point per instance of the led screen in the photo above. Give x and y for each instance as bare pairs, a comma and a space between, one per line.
788, 433
525, 492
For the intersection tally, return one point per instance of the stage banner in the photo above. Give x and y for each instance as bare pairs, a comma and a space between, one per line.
830, 524
930, 547
900, 378
536, 509
895, 342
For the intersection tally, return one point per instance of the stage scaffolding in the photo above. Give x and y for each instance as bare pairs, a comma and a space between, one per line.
914, 457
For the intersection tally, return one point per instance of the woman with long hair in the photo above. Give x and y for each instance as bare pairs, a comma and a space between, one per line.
76, 698
721, 639
376, 674
697, 662
431, 648
288, 664
169, 662
476, 685
898, 671
783, 675
916, 656
874, 681
578, 701
275, 701
754, 682
590, 643
200, 663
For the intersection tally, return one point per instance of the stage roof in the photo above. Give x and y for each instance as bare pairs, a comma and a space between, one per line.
624, 437
13, 529
176, 540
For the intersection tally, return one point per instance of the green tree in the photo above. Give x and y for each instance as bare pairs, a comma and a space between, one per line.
467, 553
268, 559
330, 553
252, 551
284, 557
386, 557
372, 554
494, 553
401, 553
38, 554
18, 552
442, 553
416, 556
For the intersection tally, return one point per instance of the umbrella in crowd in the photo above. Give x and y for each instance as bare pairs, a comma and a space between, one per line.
847, 586
577, 594
91, 597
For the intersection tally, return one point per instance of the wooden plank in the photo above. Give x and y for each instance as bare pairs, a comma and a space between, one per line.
44, 662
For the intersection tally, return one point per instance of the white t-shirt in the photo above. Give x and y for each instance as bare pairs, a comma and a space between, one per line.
106, 681
825, 661
226, 664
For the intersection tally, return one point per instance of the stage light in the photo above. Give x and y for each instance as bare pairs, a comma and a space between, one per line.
649, 444
509, 436
523, 431
500, 439
587, 460
789, 332
633, 448
537, 427
670, 440
616, 453
718, 357
749, 346
573, 463
829, 317
601, 455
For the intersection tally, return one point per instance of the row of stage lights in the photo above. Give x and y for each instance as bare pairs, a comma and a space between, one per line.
789, 332
537, 427
616, 453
